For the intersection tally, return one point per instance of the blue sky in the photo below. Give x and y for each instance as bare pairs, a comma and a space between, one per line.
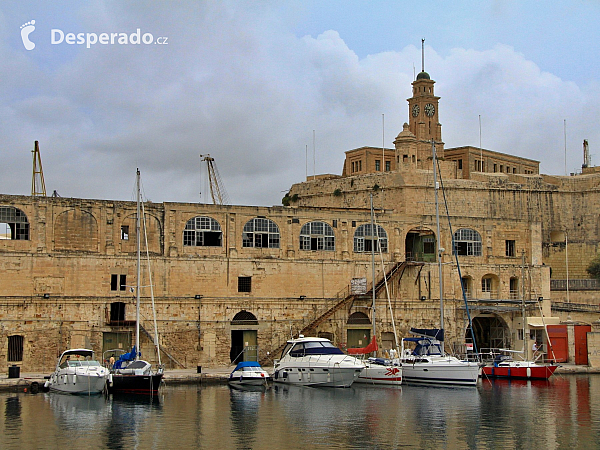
248, 82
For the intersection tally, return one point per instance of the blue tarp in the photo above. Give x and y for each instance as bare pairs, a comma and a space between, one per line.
436, 333
125, 357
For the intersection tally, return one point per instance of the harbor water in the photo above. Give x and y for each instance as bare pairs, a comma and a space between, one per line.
563, 412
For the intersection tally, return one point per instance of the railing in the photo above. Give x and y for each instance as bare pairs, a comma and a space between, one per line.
575, 285
581, 307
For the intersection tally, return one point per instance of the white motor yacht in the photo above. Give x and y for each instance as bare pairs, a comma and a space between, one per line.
77, 372
312, 361
427, 364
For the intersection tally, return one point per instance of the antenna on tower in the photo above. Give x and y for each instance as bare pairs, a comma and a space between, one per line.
38, 187
423, 55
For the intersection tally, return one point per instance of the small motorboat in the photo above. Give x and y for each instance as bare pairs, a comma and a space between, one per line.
504, 366
77, 372
248, 373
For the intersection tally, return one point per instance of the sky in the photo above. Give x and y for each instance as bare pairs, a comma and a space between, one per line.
278, 90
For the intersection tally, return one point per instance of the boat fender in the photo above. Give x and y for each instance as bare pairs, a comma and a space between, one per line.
276, 374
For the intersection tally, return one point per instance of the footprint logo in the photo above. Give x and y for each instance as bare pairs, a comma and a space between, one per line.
26, 30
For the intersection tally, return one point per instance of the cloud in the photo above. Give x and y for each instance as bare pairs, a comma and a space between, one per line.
235, 82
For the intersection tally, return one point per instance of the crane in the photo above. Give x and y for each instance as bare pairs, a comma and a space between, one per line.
217, 190
38, 187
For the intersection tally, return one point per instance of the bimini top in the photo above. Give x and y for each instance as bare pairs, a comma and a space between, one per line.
246, 364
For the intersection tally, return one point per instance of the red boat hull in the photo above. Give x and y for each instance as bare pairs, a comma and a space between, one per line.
539, 372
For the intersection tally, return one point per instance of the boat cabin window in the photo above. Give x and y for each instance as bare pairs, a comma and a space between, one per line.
315, 348
427, 348
286, 349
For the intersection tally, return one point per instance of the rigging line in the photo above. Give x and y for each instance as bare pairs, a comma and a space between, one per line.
387, 291
462, 287
156, 341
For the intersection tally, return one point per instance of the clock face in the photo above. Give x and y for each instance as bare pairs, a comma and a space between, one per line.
415, 110
429, 109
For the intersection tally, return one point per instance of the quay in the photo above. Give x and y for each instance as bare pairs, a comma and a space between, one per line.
32, 382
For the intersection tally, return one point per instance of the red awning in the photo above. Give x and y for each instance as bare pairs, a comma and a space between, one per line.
372, 347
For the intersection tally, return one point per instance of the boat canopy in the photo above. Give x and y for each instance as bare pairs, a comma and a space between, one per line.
372, 347
436, 333
246, 364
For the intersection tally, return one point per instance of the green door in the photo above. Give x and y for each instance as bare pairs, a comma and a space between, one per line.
250, 345
358, 338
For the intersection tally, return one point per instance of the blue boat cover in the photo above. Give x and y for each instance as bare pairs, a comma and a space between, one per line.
125, 357
247, 364
436, 333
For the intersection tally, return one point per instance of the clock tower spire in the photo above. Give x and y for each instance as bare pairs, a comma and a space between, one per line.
423, 112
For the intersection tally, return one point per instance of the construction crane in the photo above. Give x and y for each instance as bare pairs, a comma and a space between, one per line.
38, 187
217, 189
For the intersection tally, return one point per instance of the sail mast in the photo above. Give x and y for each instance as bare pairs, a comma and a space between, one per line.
137, 288
373, 234
439, 248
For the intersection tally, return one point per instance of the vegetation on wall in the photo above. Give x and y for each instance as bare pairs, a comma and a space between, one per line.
337, 192
594, 267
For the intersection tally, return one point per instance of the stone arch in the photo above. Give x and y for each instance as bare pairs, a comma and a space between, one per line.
358, 330
490, 286
491, 332
244, 337
420, 245
154, 234
76, 230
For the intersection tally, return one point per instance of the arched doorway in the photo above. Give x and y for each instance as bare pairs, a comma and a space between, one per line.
420, 245
244, 344
491, 331
359, 330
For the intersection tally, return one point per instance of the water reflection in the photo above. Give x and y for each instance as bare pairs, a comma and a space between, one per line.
561, 413
245, 402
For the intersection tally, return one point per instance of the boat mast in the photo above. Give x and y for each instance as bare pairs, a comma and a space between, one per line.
373, 234
439, 248
137, 287
523, 302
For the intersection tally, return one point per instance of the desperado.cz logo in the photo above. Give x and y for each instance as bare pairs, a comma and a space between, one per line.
58, 36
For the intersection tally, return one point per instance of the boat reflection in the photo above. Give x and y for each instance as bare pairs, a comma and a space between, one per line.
244, 404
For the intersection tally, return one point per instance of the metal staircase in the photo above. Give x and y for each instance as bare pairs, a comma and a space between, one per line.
346, 297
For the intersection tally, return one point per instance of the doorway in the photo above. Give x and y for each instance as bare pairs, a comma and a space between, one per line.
243, 346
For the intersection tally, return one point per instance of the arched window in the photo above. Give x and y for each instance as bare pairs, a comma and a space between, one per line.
244, 318
364, 238
261, 233
467, 242
317, 236
202, 231
13, 224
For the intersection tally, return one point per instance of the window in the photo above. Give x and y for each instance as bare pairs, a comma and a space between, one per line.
15, 348
388, 166
117, 312
467, 242
486, 285
260, 233
13, 224
118, 282
364, 237
495, 167
460, 163
429, 245
244, 284
202, 231
377, 165
317, 236
124, 232
510, 248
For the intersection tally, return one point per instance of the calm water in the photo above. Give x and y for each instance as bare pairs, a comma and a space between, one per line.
561, 413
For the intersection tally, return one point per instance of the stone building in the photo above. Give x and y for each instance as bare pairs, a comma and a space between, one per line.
232, 281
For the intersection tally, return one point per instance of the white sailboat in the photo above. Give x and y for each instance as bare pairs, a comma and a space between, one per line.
130, 374
427, 362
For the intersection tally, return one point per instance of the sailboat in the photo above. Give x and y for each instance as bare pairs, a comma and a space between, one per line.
428, 363
378, 370
130, 374
504, 366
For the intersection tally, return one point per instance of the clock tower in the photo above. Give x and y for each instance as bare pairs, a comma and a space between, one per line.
423, 115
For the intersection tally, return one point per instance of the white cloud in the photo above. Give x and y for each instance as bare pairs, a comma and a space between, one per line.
237, 83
